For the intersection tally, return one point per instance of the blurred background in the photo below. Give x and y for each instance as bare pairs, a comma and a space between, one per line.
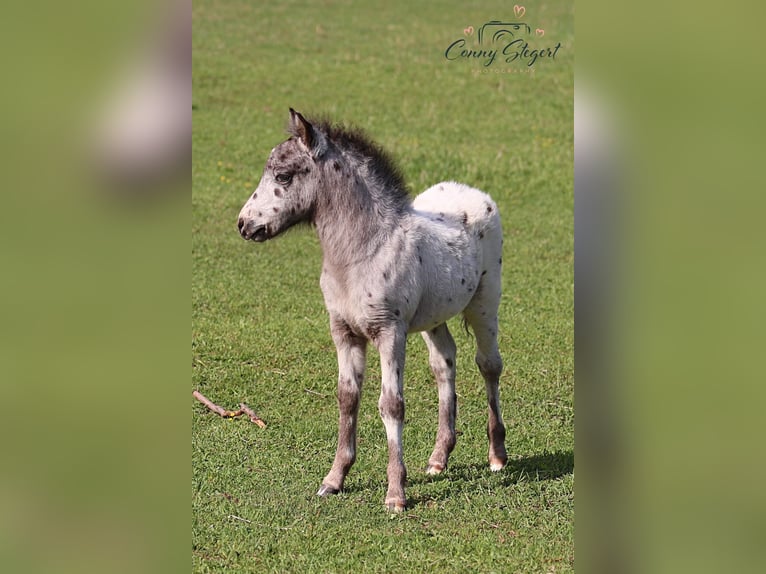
95, 125
669, 272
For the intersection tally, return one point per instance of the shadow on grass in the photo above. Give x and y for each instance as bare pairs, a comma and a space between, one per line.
537, 467
547, 466
463, 477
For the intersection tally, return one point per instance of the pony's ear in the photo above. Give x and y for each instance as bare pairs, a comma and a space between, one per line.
313, 139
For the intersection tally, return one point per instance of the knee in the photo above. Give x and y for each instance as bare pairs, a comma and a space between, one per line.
391, 406
348, 396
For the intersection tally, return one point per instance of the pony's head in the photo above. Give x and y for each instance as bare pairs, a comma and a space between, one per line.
286, 194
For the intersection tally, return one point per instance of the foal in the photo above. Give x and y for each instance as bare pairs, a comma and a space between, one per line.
391, 266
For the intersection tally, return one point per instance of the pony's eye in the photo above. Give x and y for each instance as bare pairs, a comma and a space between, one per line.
283, 178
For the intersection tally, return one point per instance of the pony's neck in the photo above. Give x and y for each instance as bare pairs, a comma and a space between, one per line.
353, 221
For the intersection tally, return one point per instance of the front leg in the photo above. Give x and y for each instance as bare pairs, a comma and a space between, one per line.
391, 345
351, 364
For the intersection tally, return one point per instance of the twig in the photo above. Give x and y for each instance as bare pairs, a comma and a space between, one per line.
243, 409
212, 406
324, 396
251, 413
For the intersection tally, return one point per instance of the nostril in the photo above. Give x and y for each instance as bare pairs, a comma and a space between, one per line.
240, 224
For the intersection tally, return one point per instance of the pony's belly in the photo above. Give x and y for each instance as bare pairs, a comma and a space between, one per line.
433, 312
451, 283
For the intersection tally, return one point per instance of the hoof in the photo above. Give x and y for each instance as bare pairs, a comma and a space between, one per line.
395, 507
324, 490
496, 464
434, 469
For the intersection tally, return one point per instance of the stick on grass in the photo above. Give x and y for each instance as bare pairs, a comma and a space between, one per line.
251, 413
243, 410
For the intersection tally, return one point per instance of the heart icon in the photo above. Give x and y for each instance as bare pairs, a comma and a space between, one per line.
468, 31
519, 11
540, 32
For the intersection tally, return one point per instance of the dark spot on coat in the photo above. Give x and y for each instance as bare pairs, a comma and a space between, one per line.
450, 244
277, 192
385, 275
449, 362
483, 273
292, 211
336, 166
420, 259
397, 313
489, 208
465, 218
481, 235
369, 294
276, 210
260, 214
500, 261
255, 195
462, 281
398, 371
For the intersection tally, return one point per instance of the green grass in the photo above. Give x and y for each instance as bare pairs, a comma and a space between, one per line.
259, 327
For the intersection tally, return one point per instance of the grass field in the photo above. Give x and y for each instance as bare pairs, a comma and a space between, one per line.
260, 331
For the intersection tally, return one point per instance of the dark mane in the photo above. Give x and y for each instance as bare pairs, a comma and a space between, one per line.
379, 161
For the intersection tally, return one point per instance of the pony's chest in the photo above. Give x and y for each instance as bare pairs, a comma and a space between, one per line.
367, 299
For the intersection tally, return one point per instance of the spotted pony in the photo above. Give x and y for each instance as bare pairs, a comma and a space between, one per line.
392, 265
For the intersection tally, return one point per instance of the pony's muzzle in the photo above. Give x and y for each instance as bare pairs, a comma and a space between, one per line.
249, 230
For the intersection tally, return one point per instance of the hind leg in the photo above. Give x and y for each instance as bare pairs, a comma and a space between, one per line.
481, 315
441, 356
